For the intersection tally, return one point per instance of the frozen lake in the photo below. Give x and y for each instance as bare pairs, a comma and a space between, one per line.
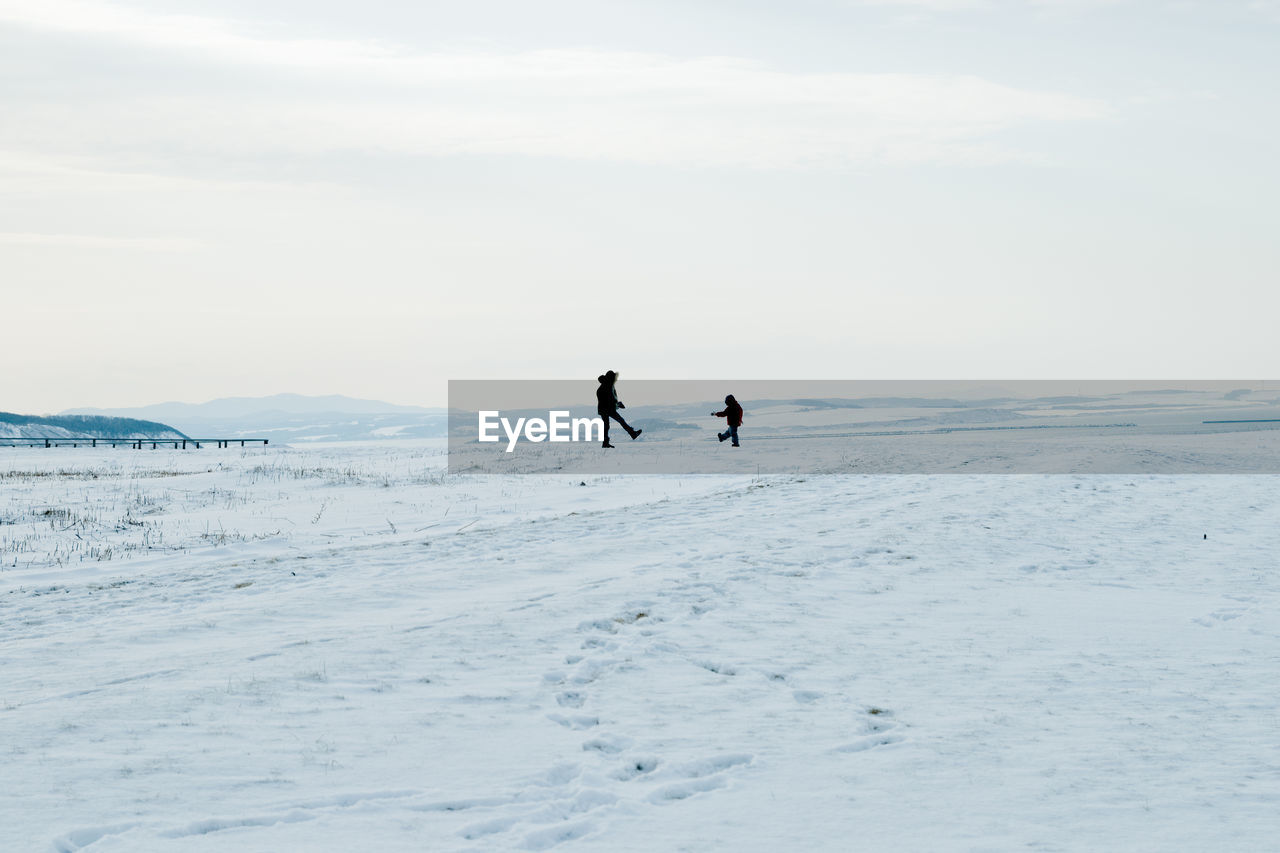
344, 647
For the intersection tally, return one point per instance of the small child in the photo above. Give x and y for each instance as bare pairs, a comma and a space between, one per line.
732, 412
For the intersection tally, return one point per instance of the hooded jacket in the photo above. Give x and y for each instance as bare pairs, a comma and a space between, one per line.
732, 412
606, 398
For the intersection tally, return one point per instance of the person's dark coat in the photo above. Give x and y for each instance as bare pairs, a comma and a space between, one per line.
607, 395
732, 412
606, 405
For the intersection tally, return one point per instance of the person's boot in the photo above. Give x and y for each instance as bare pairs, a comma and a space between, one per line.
606, 444
722, 436
635, 433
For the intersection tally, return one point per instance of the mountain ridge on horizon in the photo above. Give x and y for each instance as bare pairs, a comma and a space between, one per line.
291, 418
237, 407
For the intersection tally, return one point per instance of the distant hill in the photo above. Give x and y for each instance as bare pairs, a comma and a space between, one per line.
245, 407
293, 418
86, 426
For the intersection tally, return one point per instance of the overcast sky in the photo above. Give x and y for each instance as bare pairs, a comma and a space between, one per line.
222, 197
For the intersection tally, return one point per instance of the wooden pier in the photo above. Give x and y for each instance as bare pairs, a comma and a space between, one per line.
134, 443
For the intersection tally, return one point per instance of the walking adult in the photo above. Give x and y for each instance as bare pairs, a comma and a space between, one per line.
607, 405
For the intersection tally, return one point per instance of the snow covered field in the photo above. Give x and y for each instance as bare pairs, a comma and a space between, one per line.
345, 648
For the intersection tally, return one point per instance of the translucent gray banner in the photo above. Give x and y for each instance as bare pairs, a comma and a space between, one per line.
867, 427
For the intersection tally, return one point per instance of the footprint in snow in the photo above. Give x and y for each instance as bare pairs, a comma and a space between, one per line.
718, 668
880, 732
577, 722
545, 839
1223, 614
570, 699
608, 744
714, 764
702, 776
589, 670
870, 742
635, 768
684, 790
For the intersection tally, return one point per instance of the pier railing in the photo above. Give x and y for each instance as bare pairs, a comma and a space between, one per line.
135, 443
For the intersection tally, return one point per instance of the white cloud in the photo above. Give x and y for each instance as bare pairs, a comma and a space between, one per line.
183, 33
87, 241
1270, 8
24, 172
626, 106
